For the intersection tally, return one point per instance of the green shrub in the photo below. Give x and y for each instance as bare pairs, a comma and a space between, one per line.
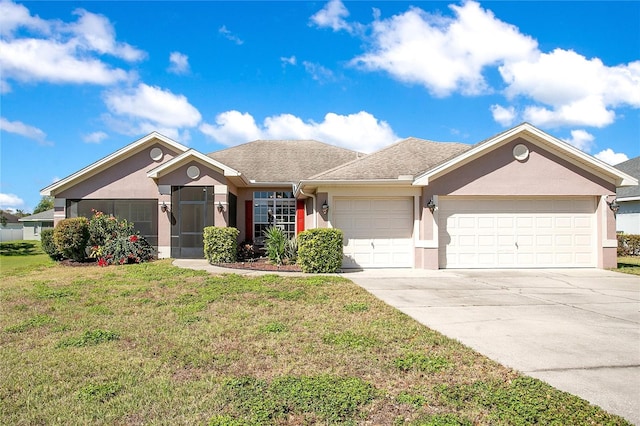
320, 250
115, 241
628, 245
71, 236
274, 243
48, 246
220, 244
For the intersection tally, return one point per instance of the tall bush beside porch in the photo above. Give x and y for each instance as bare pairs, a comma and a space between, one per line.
220, 244
320, 250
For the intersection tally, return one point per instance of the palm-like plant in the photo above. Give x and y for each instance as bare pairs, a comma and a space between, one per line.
275, 243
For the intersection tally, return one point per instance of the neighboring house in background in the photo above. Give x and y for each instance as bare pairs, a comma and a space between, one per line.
628, 198
34, 224
522, 198
10, 227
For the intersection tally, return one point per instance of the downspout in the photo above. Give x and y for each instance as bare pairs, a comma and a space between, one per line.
315, 216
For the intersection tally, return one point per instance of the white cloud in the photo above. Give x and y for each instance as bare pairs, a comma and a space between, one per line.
571, 90
581, 139
34, 50
332, 15
232, 128
47, 60
229, 35
360, 131
318, 72
95, 33
13, 16
291, 60
504, 116
19, 128
443, 54
153, 108
611, 157
179, 63
10, 202
95, 137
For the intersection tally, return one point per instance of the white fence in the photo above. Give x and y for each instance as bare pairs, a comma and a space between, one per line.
9, 233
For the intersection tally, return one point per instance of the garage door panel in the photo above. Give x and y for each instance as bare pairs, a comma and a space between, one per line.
517, 232
378, 232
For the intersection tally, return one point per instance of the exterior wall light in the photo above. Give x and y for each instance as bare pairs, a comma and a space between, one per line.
220, 207
431, 205
164, 207
325, 208
614, 206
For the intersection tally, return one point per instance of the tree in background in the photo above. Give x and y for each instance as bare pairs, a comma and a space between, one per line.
46, 203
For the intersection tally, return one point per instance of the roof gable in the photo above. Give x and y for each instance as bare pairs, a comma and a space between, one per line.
632, 168
111, 160
537, 136
283, 161
186, 157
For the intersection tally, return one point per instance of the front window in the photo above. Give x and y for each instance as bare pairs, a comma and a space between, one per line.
273, 209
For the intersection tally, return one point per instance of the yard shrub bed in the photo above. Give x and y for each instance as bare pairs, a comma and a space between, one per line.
161, 345
320, 250
628, 245
220, 244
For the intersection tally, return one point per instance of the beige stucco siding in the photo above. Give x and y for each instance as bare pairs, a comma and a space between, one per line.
126, 179
498, 173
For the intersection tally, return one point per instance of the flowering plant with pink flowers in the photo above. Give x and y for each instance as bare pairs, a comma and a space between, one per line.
115, 241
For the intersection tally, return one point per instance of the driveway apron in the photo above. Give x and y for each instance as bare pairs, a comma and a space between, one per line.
576, 329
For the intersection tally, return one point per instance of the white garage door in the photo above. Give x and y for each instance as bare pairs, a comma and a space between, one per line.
529, 233
377, 231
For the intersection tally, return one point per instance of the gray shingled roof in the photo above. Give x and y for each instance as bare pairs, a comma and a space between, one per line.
630, 167
283, 160
45, 216
410, 156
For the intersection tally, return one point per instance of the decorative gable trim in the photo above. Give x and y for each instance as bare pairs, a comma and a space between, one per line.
537, 136
185, 157
110, 160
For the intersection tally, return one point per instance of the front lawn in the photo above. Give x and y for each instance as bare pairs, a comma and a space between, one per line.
156, 344
629, 265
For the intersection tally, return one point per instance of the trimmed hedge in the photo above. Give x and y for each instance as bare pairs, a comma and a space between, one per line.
220, 244
628, 245
320, 250
48, 246
71, 237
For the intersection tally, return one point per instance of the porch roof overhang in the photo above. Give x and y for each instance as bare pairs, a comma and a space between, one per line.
311, 185
527, 131
193, 155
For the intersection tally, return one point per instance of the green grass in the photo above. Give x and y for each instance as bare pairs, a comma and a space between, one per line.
629, 265
22, 256
156, 344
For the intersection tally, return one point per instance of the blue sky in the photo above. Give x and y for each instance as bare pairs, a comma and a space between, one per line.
80, 80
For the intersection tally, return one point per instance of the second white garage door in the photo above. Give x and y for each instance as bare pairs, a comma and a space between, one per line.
377, 231
503, 233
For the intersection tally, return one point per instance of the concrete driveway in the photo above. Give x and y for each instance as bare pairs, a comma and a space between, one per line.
578, 330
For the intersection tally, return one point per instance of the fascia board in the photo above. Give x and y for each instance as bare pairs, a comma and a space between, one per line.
625, 199
189, 155
101, 164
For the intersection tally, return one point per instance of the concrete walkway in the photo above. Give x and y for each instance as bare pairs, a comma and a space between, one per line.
576, 329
